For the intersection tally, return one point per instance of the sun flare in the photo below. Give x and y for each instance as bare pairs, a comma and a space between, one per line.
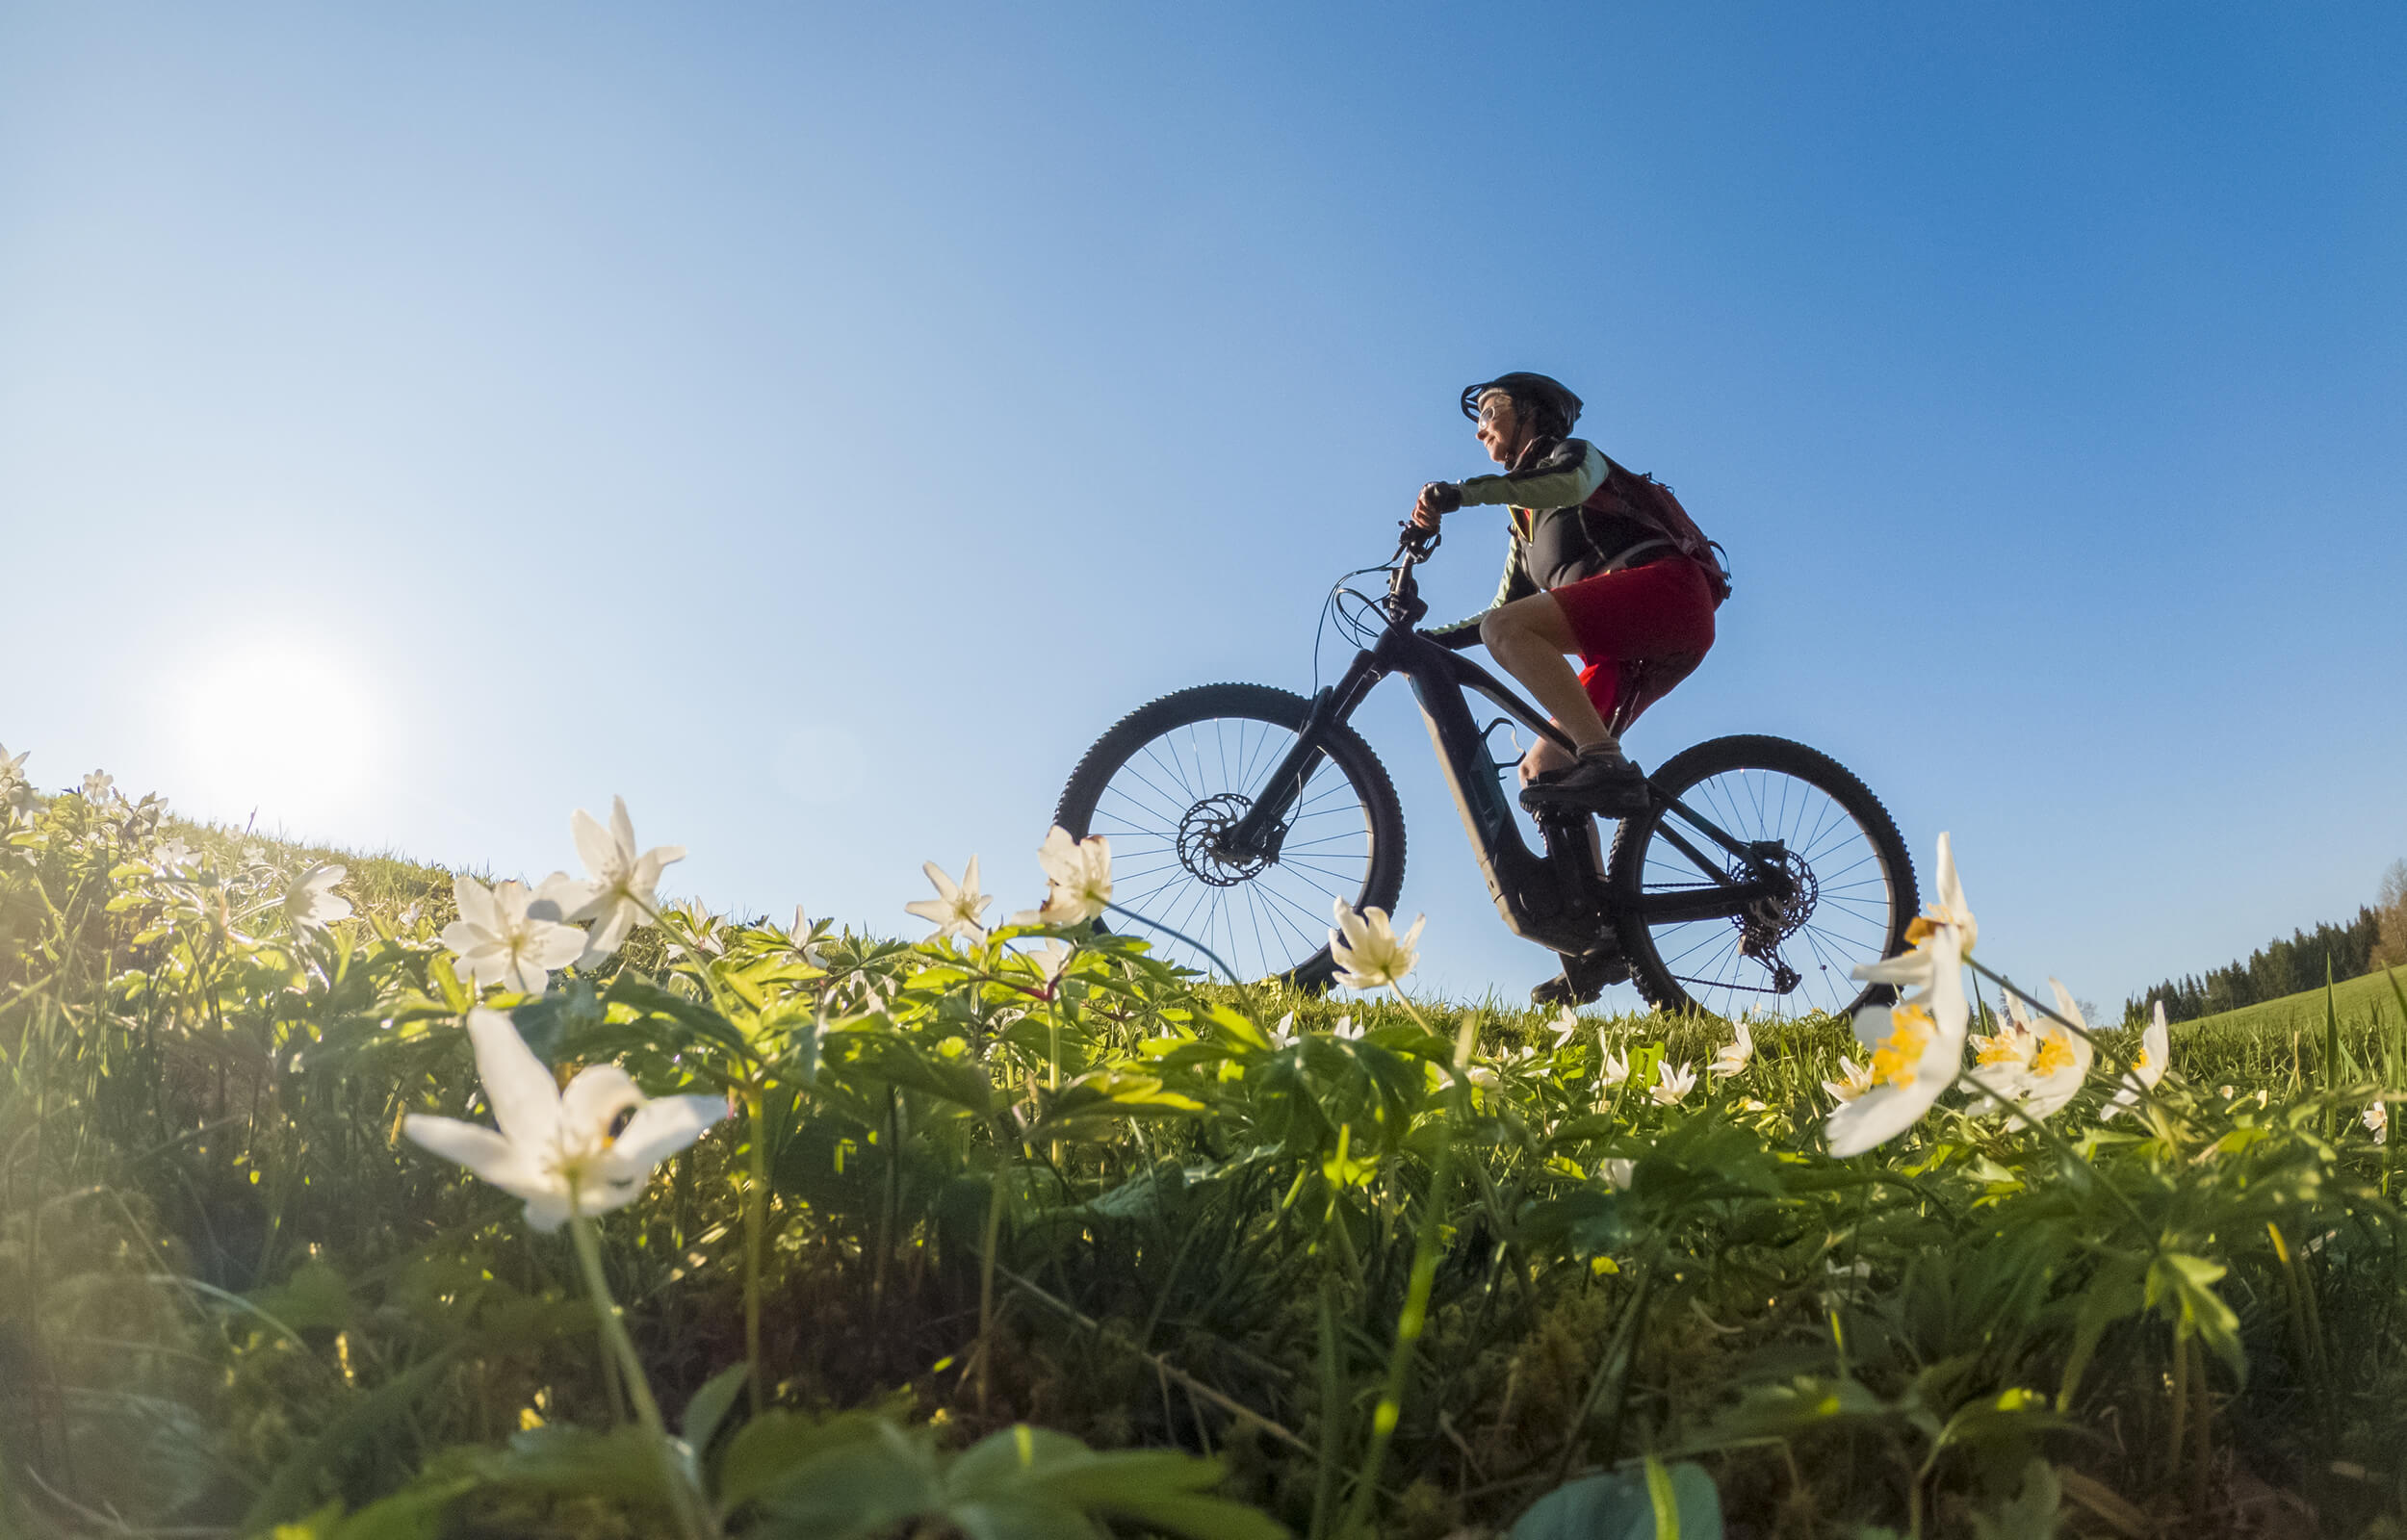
286, 727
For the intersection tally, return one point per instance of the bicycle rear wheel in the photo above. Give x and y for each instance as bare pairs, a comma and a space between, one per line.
1854, 882
1168, 775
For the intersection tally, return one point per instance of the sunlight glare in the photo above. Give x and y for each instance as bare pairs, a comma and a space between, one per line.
285, 726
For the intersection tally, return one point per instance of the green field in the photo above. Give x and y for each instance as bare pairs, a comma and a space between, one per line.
2368, 1001
1015, 1243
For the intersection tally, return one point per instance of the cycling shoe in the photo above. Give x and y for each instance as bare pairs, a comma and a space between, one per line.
1609, 784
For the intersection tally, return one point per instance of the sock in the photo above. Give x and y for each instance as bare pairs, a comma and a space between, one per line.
1602, 749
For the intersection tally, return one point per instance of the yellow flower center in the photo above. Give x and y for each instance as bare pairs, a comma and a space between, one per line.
1893, 1059
1997, 1050
2055, 1054
2143, 1060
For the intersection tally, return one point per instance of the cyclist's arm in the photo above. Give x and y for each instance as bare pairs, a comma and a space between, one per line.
1566, 477
1516, 584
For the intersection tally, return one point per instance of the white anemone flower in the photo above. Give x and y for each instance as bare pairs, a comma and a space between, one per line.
1671, 1085
1618, 1173
798, 943
1282, 1036
1077, 876
513, 936
1854, 1081
173, 854
1051, 961
624, 891
2063, 1063
1734, 1056
98, 784
1917, 1050
1347, 1027
955, 909
586, 1151
1950, 916
2155, 1050
2002, 1060
2377, 1121
1567, 1026
1369, 952
1617, 1067
308, 906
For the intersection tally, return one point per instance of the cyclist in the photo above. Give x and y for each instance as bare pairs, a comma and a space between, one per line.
1584, 575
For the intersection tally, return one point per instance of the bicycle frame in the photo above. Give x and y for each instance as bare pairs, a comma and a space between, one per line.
1560, 898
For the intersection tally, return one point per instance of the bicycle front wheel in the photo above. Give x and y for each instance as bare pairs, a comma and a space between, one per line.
1853, 883
1170, 776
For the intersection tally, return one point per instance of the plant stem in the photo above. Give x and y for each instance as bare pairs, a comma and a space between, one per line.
1415, 1313
2179, 1408
756, 1233
692, 1518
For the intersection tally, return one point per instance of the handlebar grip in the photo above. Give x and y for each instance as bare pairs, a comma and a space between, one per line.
1420, 543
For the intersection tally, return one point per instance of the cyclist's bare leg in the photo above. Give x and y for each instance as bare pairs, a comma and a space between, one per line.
1529, 638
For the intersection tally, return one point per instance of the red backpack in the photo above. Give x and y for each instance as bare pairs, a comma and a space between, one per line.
1638, 496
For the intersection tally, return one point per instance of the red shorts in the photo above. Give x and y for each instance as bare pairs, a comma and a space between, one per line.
1639, 631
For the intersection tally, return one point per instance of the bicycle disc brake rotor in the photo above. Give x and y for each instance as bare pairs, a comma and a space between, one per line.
1202, 849
1768, 921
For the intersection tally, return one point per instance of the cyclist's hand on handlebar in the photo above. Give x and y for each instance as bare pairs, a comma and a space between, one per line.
1437, 500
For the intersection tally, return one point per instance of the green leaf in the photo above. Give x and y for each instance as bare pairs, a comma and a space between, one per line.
2112, 1295
315, 1295
2030, 1514
2188, 1282
621, 1465
1623, 1506
710, 1406
766, 1450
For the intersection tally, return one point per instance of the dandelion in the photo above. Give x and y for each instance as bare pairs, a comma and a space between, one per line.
2156, 1047
1077, 876
584, 1150
1671, 1085
623, 891
1917, 1050
955, 909
1950, 918
1617, 1173
308, 906
1617, 1067
1853, 1079
511, 936
1369, 952
2377, 1121
1733, 1056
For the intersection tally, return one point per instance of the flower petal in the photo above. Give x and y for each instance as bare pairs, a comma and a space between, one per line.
663, 1127
594, 1100
526, 1102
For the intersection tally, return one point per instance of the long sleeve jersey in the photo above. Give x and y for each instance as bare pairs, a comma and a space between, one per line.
1557, 539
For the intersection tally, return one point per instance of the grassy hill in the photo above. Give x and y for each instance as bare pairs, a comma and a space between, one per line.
2363, 1001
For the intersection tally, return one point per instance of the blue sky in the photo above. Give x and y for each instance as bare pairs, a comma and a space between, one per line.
819, 423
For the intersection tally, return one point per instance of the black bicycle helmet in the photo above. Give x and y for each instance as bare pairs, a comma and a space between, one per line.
1548, 399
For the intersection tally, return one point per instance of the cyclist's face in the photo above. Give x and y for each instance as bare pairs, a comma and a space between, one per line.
1499, 427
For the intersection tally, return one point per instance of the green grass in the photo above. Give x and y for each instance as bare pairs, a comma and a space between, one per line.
2366, 1000
232, 1294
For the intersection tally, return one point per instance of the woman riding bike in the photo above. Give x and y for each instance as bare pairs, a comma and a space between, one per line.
1588, 572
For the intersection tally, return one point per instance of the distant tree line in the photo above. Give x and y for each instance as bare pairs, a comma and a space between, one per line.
2376, 939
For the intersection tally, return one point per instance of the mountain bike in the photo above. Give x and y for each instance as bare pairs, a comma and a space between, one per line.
1761, 873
